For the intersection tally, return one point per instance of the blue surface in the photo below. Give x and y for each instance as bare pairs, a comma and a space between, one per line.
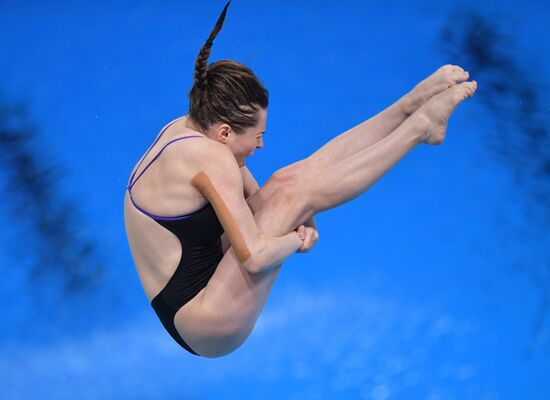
415, 290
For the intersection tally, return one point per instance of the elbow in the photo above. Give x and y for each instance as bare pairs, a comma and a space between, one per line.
252, 264
255, 261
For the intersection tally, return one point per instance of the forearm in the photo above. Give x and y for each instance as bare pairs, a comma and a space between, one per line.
275, 250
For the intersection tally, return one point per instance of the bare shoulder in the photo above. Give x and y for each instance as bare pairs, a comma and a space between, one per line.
214, 158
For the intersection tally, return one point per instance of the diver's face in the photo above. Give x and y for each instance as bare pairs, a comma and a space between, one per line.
243, 145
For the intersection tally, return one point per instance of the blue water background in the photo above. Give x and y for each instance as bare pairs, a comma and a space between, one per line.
416, 290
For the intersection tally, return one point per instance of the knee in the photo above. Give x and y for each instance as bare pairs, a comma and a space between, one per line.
288, 194
291, 173
282, 177
283, 192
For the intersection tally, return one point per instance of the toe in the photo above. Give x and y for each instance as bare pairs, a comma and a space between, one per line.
463, 90
456, 68
460, 76
471, 88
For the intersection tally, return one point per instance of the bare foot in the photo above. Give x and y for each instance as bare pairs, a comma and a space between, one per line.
442, 79
436, 112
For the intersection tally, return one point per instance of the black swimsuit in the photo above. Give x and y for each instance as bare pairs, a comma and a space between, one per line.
200, 236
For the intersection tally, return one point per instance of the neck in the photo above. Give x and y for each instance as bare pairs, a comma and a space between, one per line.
191, 125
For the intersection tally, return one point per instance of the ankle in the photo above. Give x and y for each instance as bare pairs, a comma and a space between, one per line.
423, 126
406, 105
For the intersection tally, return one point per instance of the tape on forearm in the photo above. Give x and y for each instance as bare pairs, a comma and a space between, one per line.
203, 183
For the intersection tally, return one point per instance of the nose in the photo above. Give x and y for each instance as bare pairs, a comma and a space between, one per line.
260, 143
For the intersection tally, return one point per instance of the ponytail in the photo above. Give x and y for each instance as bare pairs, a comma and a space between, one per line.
224, 91
201, 78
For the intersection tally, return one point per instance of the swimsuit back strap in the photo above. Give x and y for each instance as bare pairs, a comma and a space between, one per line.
132, 181
149, 149
158, 217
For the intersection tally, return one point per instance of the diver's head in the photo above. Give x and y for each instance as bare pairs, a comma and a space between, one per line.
227, 93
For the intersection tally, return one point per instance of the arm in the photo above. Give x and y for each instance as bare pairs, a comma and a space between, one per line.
222, 184
250, 184
250, 187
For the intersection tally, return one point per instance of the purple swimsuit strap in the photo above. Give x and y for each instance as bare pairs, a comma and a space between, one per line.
149, 149
133, 182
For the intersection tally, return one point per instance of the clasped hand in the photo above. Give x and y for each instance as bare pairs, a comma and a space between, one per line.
308, 235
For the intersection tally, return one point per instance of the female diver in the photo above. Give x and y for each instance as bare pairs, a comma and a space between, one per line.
207, 242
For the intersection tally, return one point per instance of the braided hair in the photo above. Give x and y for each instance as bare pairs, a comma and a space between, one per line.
224, 91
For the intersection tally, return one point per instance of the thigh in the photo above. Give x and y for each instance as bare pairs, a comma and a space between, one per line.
220, 318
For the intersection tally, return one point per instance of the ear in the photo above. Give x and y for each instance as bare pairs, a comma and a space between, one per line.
222, 133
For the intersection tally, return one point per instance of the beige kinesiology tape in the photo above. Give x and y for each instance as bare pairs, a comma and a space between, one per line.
203, 183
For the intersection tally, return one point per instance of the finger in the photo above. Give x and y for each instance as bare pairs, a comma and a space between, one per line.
309, 241
303, 247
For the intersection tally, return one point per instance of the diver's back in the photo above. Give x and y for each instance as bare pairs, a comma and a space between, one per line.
160, 186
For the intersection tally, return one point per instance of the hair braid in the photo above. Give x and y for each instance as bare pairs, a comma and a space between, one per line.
224, 91
201, 64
